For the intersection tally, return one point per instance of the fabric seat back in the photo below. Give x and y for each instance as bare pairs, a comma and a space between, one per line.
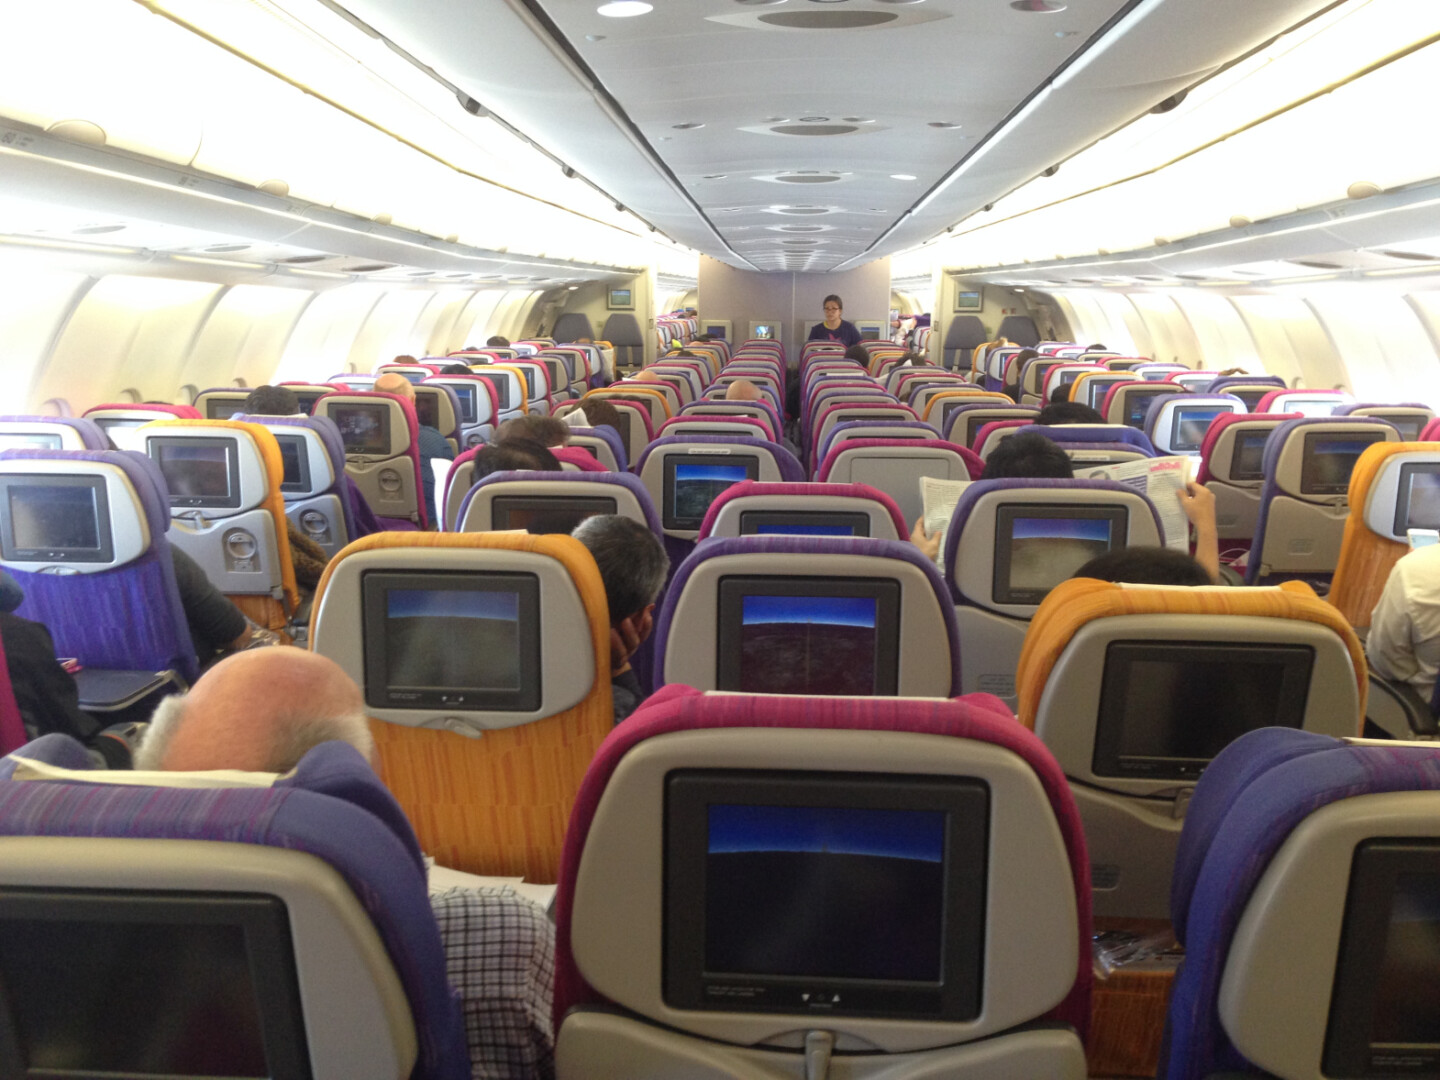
756, 509
1232, 466
382, 454
684, 474
317, 499
476, 401
897, 466
51, 433
554, 502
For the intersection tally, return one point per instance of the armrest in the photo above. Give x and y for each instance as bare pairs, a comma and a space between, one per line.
1398, 710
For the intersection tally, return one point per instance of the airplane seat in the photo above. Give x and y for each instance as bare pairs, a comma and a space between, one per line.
635, 999
1177, 423
823, 385
1090, 455
684, 474
904, 381
963, 421
1059, 375
1305, 402
1303, 504
317, 499
752, 508
413, 373
997, 586
548, 502
1195, 381
740, 426
438, 406
540, 398
572, 326
988, 437
101, 516
482, 734
119, 420
1409, 417
353, 381
932, 401
510, 386
1019, 330
1393, 489
636, 428
896, 466
221, 402
623, 333
227, 510
1306, 906
309, 393
1092, 386
604, 443
1136, 688
820, 348
19, 432
1431, 432
381, 436
476, 406
1232, 467
660, 399
964, 334
841, 410
866, 617
1123, 363
828, 396
1098, 433
1222, 384
875, 429
1153, 371
284, 923
759, 409
1129, 402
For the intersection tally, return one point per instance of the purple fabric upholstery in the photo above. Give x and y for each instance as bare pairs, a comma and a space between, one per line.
1274, 447
718, 547
630, 483
129, 617
412, 427
1220, 385
791, 471
332, 807
52, 749
329, 435
668, 428
1152, 414
972, 461
980, 717
1247, 803
611, 438
978, 490
1079, 433
91, 437
837, 432
770, 410
851, 491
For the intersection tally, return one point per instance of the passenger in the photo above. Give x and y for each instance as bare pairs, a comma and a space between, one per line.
404, 358
272, 401
1029, 456
1012, 390
915, 359
633, 566
1146, 566
263, 713
1404, 640
513, 455
552, 434
1068, 412
1097, 347
456, 369
600, 412
217, 627
497, 342
834, 328
859, 354
432, 444
44, 691
745, 390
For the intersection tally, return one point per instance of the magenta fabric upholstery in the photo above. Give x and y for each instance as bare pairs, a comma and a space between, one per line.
837, 433
162, 412
979, 717
627, 481
695, 407
987, 430
790, 469
852, 491
12, 727
971, 459
763, 424
412, 427
1267, 403
1219, 424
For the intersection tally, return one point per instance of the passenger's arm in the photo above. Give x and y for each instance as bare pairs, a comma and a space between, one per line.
1389, 647
928, 543
1198, 502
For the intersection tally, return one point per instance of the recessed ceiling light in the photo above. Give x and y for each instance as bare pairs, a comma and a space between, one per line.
689, 125
219, 249
901, 176
97, 230
814, 119
624, 9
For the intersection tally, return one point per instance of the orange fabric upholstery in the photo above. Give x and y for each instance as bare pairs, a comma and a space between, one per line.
519, 373
981, 352
635, 390
264, 610
976, 395
498, 804
1366, 557
1072, 604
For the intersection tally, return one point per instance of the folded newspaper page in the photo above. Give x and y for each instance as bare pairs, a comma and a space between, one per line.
939, 498
1159, 478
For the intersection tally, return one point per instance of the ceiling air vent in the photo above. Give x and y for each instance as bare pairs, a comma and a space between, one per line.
301, 260
807, 178
1314, 265
98, 230
814, 129
828, 20
370, 268
1416, 256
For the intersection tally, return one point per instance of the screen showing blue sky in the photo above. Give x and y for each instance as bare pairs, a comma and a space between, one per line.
731, 474
899, 834
828, 610
452, 603
1094, 529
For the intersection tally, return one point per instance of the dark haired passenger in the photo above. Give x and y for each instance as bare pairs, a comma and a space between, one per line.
1012, 390
1068, 412
430, 443
552, 434
456, 369
1026, 455
495, 341
859, 354
272, 401
1146, 566
599, 412
835, 328
514, 455
633, 566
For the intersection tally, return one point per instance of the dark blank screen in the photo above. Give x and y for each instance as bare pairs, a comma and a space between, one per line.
1194, 710
1136, 409
54, 518
423, 627
133, 998
223, 408
1329, 461
1191, 426
1409, 983
427, 410
362, 427
1248, 462
836, 892
195, 471
290, 451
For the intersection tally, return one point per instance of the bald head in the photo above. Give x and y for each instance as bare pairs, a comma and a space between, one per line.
394, 383
257, 711
647, 376
742, 390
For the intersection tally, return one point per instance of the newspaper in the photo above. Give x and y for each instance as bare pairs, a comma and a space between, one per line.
1159, 478
939, 498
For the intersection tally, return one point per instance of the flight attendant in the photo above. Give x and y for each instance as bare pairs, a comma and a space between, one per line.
834, 328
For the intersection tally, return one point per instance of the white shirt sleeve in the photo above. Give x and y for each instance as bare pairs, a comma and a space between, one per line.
1388, 646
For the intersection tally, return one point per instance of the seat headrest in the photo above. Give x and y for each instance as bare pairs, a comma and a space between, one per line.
597, 481
750, 489
151, 496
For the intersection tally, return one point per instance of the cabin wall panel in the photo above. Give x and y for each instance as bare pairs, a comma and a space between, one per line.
244, 336
508, 318
590, 300
1426, 305
436, 324
1090, 323
128, 332
1171, 336
1223, 337
389, 330
1384, 351
1123, 318
471, 325
1291, 342
326, 332
34, 307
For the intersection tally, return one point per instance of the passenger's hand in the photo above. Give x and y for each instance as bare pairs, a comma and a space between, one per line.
626, 638
929, 543
1198, 502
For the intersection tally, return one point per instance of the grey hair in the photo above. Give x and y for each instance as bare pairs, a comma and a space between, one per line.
632, 562
297, 739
